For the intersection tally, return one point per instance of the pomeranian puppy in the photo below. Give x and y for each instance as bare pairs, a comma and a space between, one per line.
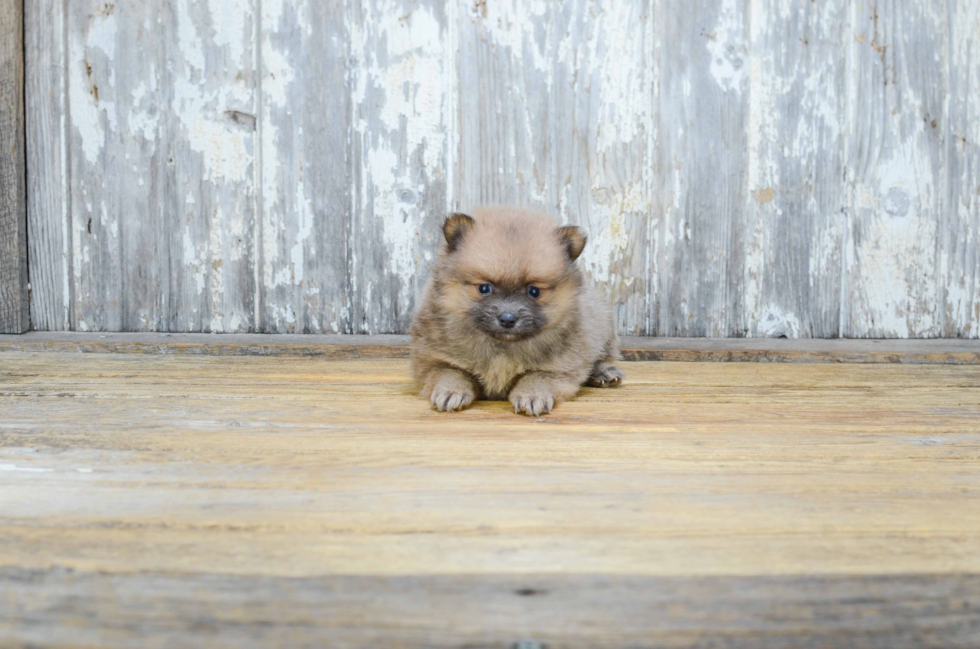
508, 315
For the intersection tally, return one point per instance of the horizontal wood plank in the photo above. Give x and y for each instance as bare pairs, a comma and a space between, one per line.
71, 608
927, 352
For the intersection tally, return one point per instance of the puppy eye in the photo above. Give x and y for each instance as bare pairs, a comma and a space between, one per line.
533, 292
485, 289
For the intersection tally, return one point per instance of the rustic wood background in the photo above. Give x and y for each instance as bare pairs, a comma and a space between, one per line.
744, 167
14, 311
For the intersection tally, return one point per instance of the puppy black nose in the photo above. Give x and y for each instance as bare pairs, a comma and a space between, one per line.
507, 320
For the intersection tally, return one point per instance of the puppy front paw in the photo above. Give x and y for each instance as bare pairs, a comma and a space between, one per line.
450, 398
605, 375
532, 404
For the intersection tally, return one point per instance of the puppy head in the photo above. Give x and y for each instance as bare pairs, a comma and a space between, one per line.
511, 274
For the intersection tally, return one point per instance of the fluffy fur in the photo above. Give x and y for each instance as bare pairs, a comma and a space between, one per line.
532, 347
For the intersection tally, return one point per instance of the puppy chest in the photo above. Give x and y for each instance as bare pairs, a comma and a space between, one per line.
498, 375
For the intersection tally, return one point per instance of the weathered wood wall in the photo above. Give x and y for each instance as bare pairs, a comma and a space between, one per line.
14, 313
744, 167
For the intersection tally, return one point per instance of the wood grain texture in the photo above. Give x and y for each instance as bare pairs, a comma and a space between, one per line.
162, 110
793, 219
764, 350
306, 203
167, 498
402, 72
14, 306
896, 157
703, 116
49, 233
58, 607
960, 240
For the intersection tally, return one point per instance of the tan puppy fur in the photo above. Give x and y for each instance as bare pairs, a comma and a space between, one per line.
508, 315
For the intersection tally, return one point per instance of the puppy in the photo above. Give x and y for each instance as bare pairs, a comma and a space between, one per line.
508, 315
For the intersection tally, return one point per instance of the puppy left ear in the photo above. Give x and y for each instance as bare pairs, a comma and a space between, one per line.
573, 239
455, 228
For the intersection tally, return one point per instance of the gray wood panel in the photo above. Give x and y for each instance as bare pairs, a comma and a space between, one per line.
153, 609
776, 168
704, 111
49, 187
895, 165
162, 112
793, 214
403, 70
960, 239
14, 310
305, 188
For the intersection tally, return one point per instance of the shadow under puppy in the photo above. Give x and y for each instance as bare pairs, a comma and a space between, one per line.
508, 315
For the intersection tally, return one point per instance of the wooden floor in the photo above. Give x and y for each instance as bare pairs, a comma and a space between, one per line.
152, 500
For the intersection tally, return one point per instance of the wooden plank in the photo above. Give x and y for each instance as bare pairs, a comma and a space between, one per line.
162, 110
794, 221
703, 133
558, 112
49, 186
896, 166
961, 219
508, 126
162, 500
402, 72
69, 608
915, 352
605, 94
305, 190
14, 300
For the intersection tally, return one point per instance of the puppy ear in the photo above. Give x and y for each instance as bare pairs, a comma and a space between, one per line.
455, 228
573, 239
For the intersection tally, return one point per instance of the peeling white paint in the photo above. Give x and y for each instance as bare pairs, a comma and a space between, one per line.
410, 94
726, 44
567, 92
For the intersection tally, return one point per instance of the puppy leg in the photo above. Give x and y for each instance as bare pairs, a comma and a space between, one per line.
451, 389
536, 393
605, 375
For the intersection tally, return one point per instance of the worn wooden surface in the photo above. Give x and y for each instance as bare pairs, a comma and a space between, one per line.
743, 168
14, 310
49, 186
302, 239
166, 500
762, 350
489, 612
960, 245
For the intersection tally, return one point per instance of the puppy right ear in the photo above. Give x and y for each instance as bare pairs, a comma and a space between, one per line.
455, 228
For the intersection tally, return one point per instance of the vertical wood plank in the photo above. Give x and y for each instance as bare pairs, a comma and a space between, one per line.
14, 306
703, 130
896, 169
794, 213
604, 138
116, 71
403, 69
305, 123
961, 236
162, 113
558, 113
49, 186
211, 137
507, 149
